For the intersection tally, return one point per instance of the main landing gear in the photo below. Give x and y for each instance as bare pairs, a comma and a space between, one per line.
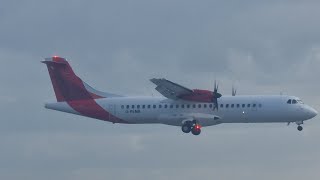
191, 126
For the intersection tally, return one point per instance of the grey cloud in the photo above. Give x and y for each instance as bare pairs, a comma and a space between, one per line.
117, 46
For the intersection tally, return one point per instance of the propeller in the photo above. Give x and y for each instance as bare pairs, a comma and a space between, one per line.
234, 91
215, 96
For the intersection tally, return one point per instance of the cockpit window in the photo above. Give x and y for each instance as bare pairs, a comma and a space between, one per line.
299, 101
289, 101
294, 101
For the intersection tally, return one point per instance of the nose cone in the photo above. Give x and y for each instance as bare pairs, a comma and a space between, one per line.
314, 112
311, 112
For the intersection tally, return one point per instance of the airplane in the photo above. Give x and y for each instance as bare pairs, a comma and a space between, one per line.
190, 109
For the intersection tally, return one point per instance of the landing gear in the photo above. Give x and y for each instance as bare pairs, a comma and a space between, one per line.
196, 130
191, 126
300, 128
186, 128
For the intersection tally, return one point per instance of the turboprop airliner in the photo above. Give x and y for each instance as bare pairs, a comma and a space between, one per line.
190, 109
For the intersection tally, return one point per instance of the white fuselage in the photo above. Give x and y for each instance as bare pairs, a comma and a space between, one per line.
232, 109
189, 108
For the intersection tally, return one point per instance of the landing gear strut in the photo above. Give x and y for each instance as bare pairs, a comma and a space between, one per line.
191, 126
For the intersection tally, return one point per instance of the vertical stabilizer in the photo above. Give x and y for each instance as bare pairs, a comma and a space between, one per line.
67, 85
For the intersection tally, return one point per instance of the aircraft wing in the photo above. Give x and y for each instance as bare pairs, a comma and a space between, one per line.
170, 89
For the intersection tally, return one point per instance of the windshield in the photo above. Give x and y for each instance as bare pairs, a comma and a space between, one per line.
299, 101
294, 101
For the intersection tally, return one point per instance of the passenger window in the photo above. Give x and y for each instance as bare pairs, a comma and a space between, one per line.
149, 106
227, 105
160, 106
188, 105
289, 101
177, 106
254, 105
143, 106
232, 105
243, 105
154, 106
294, 101
128, 106
221, 105
182, 106
165, 106
132, 106
171, 106
205, 105
238, 105
248, 105
193, 106
122, 106
138, 106
210, 105
199, 105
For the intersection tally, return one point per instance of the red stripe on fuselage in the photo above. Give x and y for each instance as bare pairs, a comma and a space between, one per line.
91, 108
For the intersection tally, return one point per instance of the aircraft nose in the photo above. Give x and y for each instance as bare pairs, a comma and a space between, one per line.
312, 112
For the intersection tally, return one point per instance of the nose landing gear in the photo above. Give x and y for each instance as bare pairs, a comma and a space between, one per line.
300, 128
191, 126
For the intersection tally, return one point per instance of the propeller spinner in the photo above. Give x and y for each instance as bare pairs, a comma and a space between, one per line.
215, 96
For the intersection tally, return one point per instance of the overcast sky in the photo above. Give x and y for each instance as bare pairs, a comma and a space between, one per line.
263, 47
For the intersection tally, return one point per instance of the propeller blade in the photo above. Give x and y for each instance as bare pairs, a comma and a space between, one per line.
215, 89
215, 96
234, 90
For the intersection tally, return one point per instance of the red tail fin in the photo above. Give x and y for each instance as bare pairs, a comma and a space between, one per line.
66, 84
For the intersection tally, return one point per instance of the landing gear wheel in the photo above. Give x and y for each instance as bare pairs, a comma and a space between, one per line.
196, 131
300, 128
186, 128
